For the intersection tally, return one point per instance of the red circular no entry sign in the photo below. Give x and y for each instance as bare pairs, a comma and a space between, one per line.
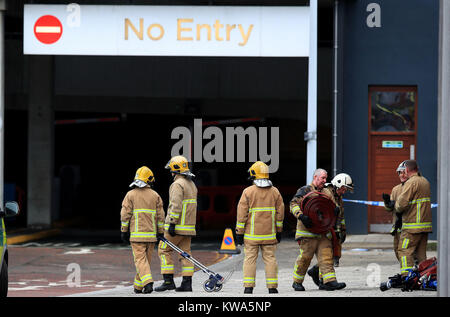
48, 29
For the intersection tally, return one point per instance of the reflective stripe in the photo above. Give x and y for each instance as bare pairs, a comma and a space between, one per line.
183, 210
146, 277
256, 209
272, 280
329, 276
279, 224
415, 225
181, 228
240, 225
405, 268
187, 269
136, 213
143, 235
138, 283
307, 234
144, 210
125, 224
296, 275
174, 215
405, 243
160, 224
249, 279
252, 235
259, 236
419, 202
295, 209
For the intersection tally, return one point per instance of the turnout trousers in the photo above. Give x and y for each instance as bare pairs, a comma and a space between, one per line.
270, 263
410, 246
165, 255
323, 249
142, 254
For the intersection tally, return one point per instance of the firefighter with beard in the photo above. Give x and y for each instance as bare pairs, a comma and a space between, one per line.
179, 225
311, 243
142, 217
260, 215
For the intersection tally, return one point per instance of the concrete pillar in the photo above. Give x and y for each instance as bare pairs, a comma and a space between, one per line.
443, 176
40, 142
2, 96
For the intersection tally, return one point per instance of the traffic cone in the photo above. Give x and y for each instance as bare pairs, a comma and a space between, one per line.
228, 246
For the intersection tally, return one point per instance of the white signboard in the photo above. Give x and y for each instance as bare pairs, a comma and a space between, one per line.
166, 30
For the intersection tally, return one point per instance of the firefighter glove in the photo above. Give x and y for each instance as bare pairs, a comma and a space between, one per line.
342, 236
239, 239
279, 237
159, 236
388, 203
172, 230
306, 220
125, 236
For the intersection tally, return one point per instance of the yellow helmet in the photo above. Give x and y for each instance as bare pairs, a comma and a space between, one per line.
179, 165
259, 170
143, 175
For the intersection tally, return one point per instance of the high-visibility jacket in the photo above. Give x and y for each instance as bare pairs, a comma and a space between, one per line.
294, 206
260, 215
182, 210
414, 201
142, 214
394, 195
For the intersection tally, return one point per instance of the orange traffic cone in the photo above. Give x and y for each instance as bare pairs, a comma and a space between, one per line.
228, 245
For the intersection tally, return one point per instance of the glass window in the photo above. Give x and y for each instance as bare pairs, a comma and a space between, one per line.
393, 111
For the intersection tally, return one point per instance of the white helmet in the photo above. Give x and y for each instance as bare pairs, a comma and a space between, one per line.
343, 179
401, 167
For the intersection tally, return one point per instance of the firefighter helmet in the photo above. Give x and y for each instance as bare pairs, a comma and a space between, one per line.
401, 167
343, 179
179, 165
143, 177
259, 170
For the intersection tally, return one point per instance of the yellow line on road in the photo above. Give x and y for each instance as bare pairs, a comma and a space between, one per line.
32, 236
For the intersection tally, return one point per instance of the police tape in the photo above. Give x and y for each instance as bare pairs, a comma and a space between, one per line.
374, 203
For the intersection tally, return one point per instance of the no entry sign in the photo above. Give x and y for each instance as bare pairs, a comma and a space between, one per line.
48, 29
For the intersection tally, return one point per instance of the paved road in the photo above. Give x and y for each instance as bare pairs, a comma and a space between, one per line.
362, 269
42, 269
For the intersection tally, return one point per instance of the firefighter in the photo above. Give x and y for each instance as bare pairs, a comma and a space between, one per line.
388, 205
142, 217
260, 215
336, 189
179, 227
340, 184
313, 244
415, 206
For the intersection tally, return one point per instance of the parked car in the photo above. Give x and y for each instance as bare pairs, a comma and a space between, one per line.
11, 209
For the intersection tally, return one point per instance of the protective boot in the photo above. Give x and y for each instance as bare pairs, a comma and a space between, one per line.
273, 291
298, 286
137, 291
314, 273
168, 283
331, 286
186, 285
148, 288
248, 290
